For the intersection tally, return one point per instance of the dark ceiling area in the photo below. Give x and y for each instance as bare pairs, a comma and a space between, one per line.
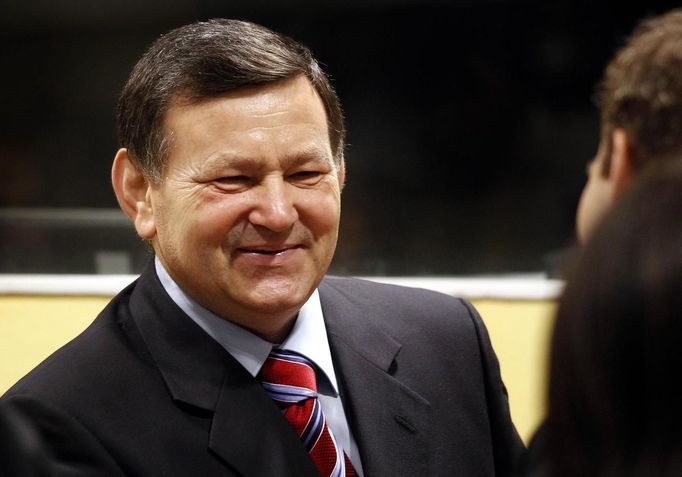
470, 122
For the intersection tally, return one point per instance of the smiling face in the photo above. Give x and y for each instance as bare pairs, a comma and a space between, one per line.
246, 216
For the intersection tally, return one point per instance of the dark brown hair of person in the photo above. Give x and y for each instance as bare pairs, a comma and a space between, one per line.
641, 91
614, 399
206, 60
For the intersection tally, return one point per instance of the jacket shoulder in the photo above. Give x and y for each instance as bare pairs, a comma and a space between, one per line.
384, 295
399, 309
90, 358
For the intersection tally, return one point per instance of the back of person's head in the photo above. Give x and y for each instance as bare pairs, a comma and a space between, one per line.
614, 401
207, 60
641, 91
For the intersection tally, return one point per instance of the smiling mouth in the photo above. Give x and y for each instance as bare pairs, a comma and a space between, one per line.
268, 251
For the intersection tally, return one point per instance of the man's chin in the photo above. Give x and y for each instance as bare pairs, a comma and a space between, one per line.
277, 302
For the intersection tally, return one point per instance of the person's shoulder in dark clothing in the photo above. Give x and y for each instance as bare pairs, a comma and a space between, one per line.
21, 450
533, 462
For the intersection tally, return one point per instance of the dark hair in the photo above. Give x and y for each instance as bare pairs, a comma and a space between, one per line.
614, 401
205, 60
641, 90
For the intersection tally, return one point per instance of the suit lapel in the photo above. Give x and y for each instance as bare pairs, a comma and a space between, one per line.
247, 431
250, 434
389, 420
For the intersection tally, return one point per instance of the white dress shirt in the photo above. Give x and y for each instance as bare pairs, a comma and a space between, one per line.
308, 337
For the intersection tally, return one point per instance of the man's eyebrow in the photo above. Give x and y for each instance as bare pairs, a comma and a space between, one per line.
231, 159
310, 152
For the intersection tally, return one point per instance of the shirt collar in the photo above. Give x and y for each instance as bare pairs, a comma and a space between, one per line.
308, 336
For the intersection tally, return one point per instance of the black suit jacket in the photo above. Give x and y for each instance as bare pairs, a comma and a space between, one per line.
534, 462
144, 391
21, 450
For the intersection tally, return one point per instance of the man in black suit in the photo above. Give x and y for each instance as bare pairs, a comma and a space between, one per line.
231, 167
640, 102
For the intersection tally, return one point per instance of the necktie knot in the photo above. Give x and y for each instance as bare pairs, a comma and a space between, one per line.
289, 378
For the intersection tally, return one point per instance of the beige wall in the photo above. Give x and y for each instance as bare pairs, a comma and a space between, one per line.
31, 327
520, 333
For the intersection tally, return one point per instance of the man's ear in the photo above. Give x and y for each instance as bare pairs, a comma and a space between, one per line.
621, 169
133, 194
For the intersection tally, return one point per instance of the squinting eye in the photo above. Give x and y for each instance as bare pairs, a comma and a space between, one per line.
306, 176
230, 183
232, 179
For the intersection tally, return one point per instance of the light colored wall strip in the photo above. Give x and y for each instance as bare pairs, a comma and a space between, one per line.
533, 287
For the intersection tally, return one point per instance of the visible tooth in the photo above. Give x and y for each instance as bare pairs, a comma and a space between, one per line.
267, 252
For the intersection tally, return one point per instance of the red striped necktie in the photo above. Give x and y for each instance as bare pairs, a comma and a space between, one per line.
289, 378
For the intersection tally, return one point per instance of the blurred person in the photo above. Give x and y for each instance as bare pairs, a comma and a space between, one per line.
232, 341
614, 401
640, 104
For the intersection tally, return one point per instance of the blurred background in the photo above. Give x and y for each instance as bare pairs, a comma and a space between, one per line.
470, 125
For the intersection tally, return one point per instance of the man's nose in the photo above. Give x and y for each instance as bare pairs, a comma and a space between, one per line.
274, 206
